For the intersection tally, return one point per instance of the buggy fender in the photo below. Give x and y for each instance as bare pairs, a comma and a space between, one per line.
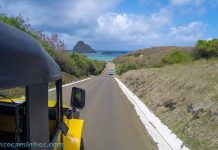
72, 140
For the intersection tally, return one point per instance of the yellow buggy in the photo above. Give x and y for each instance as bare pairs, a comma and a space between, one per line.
34, 122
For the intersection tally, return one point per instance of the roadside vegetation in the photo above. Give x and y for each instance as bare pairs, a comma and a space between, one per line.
176, 56
152, 57
206, 49
181, 89
85, 66
74, 65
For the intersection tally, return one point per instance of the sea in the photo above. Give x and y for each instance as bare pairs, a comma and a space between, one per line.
105, 55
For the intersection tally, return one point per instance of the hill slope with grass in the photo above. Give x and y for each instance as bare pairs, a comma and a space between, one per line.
181, 90
149, 57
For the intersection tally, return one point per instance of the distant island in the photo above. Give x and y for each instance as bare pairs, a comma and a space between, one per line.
107, 52
81, 47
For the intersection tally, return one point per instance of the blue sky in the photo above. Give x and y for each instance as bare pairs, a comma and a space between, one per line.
121, 24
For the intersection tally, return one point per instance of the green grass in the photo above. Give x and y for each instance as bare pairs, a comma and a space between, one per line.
177, 56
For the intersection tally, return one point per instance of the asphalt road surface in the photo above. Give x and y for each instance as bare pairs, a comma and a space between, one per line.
111, 122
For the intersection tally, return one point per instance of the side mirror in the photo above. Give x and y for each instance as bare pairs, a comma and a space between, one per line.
78, 98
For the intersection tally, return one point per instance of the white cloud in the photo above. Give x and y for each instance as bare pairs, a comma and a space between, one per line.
56, 13
117, 30
121, 25
95, 22
84, 10
144, 31
163, 17
134, 29
187, 34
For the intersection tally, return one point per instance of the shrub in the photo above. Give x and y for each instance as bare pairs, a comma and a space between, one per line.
99, 66
176, 56
65, 62
122, 68
85, 66
206, 49
137, 54
81, 63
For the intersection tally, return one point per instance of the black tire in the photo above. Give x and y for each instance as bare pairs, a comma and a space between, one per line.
82, 144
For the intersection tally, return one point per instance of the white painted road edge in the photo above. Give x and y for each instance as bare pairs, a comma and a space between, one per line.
69, 84
160, 133
65, 85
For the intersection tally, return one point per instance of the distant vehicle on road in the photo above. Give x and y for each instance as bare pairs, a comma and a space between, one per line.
111, 72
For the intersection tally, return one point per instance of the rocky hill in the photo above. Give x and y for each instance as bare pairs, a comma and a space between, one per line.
81, 47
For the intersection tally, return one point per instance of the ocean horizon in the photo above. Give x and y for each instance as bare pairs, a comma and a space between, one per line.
104, 55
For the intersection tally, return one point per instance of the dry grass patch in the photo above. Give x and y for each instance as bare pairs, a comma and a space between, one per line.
185, 98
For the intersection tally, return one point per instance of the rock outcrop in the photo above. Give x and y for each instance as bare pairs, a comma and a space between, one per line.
81, 47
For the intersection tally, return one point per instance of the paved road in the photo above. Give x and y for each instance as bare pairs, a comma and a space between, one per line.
110, 120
